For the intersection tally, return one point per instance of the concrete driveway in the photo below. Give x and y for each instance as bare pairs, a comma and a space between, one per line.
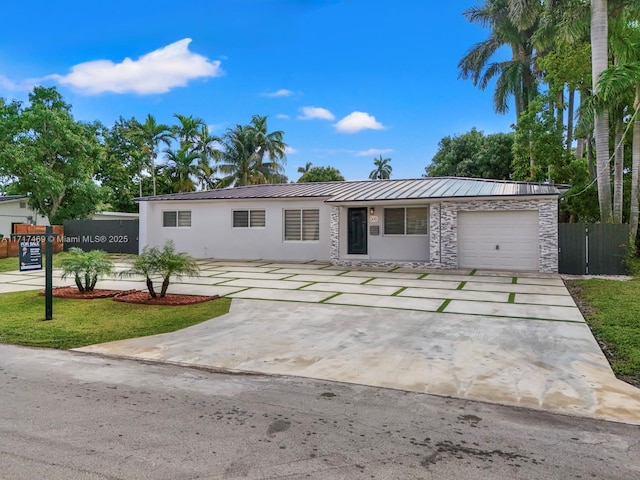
514, 339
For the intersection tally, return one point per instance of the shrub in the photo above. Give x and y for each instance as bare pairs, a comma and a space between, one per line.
85, 267
165, 262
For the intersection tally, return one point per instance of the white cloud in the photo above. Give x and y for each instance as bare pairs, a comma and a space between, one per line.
374, 151
290, 151
358, 121
156, 72
310, 113
21, 86
282, 116
283, 92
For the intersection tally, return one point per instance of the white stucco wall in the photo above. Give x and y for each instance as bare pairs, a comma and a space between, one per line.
10, 212
212, 235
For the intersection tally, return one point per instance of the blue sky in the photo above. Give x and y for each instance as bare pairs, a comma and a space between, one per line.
346, 80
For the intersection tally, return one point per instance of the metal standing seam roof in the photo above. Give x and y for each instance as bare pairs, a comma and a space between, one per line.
375, 190
8, 198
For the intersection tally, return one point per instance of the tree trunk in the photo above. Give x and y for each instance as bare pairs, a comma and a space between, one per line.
165, 286
618, 171
635, 172
152, 292
560, 113
570, 107
599, 63
153, 172
79, 284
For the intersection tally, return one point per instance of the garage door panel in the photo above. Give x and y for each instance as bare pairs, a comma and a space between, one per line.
515, 233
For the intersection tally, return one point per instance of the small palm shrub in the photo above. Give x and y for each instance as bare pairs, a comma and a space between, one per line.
166, 263
85, 267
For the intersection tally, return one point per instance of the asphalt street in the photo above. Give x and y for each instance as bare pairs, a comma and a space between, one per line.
70, 415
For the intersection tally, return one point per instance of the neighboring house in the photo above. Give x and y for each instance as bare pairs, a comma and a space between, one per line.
114, 216
15, 209
439, 222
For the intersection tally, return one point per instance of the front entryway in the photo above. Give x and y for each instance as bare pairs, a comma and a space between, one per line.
357, 231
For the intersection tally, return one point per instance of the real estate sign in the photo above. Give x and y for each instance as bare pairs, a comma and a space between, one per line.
30, 256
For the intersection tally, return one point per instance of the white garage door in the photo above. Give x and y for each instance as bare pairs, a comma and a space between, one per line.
498, 240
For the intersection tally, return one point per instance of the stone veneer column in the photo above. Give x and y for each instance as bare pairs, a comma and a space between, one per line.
548, 221
434, 234
334, 234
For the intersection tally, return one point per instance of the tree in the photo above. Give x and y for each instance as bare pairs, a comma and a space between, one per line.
121, 167
165, 262
306, 168
49, 156
251, 155
85, 267
474, 155
321, 174
153, 134
599, 63
382, 169
181, 168
515, 77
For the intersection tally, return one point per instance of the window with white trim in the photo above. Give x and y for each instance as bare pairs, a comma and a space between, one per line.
302, 225
249, 219
406, 221
176, 218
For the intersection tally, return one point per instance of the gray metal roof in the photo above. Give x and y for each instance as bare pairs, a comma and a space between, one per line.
8, 198
375, 190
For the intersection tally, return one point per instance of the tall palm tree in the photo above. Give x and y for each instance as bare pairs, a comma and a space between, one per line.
153, 134
515, 77
382, 170
207, 148
188, 129
181, 167
251, 155
305, 169
599, 63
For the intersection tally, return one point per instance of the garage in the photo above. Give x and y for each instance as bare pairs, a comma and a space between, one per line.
499, 240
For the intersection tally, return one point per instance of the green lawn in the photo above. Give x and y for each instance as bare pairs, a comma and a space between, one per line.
612, 310
8, 264
78, 323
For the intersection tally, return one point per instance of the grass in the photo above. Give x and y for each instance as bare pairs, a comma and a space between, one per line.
9, 264
612, 310
78, 323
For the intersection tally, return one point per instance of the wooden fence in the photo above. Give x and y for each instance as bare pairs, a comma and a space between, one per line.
9, 246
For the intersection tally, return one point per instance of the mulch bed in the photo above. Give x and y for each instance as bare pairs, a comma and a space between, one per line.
171, 299
73, 292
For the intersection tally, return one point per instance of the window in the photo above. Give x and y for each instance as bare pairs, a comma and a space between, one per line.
249, 218
301, 225
23, 204
180, 218
406, 221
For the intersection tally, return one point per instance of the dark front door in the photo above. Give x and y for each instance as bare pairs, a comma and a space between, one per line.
357, 231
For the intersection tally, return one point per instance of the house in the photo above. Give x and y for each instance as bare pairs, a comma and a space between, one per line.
114, 216
434, 222
14, 209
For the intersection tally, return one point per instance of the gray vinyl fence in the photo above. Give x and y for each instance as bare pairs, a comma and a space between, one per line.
592, 249
112, 236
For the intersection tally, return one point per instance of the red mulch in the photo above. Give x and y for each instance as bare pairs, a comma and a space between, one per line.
171, 299
73, 292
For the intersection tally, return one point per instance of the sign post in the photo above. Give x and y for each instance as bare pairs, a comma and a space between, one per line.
48, 249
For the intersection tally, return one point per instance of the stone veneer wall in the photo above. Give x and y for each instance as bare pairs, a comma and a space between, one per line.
443, 239
334, 232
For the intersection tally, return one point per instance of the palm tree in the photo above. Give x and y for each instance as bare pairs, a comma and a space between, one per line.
599, 63
181, 167
305, 169
382, 170
153, 134
515, 77
206, 147
251, 155
188, 130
